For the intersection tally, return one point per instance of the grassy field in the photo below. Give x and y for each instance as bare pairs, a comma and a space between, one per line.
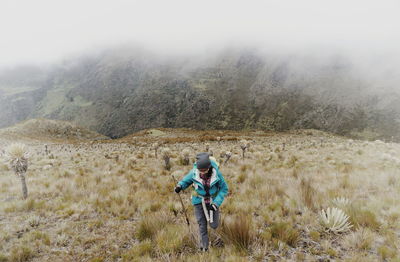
113, 200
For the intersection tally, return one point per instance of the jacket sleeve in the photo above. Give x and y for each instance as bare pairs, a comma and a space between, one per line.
187, 180
223, 191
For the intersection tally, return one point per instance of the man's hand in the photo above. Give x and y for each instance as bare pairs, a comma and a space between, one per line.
178, 189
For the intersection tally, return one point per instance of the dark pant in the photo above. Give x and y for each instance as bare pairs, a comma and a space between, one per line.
201, 219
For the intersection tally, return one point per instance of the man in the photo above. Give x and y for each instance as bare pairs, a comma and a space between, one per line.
210, 189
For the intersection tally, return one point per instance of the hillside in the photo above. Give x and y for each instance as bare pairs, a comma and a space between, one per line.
45, 129
121, 91
114, 201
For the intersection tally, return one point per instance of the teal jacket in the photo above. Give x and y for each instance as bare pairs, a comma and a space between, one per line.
218, 186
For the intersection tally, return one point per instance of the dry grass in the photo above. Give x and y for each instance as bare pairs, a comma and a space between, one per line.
238, 231
114, 200
282, 232
308, 193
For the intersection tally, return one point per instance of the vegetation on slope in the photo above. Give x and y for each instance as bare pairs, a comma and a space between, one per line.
113, 200
46, 129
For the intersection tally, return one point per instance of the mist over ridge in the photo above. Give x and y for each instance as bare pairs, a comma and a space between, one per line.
127, 88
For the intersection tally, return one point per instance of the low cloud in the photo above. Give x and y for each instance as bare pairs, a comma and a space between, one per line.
45, 31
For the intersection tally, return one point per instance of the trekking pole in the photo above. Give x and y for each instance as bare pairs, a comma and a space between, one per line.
183, 206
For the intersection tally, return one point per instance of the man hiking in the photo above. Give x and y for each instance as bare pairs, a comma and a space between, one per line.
210, 189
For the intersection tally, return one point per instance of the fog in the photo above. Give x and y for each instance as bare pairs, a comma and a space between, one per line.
46, 31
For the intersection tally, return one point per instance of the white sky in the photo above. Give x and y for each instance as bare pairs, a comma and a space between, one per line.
48, 30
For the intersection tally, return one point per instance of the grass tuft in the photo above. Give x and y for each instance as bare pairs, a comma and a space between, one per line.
238, 230
170, 239
362, 218
149, 226
144, 248
21, 254
284, 232
307, 193
360, 240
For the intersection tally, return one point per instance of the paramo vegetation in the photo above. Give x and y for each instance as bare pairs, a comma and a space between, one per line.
302, 195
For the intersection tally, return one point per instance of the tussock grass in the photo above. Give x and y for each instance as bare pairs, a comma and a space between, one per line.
238, 231
21, 254
143, 250
387, 253
170, 239
282, 232
361, 217
361, 240
308, 193
149, 226
3, 258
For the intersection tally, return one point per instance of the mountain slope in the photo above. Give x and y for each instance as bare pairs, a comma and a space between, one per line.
121, 91
45, 129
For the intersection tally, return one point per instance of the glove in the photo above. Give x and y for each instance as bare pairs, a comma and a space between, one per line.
178, 189
214, 207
